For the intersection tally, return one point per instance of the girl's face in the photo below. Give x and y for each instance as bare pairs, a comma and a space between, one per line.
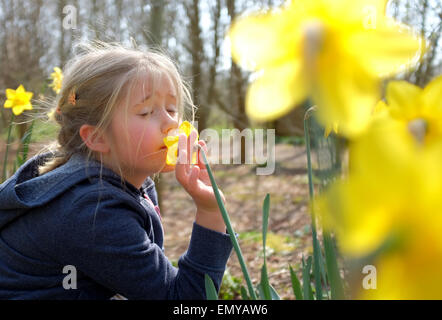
139, 145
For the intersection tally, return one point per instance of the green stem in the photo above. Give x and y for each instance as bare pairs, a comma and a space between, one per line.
229, 226
316, 248
335, 281
8, 140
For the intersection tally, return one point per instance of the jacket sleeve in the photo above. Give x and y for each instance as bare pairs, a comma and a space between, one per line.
108, 242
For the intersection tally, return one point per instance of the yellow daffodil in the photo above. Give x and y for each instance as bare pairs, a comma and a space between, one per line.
19, 100
336, 52
57, 79
392, 194
419, 110
171, 143
412, 271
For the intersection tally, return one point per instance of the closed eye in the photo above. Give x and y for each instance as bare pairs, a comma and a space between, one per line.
172, 109
146, 113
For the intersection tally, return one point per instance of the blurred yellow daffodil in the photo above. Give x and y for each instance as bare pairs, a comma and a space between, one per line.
336, 52
419, 110
19, 100
171, 143
392, 195
57, 79
411, 271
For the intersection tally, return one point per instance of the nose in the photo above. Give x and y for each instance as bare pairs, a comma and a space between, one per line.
168, 122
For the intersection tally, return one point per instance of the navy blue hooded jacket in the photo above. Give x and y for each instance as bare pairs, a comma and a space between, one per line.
81, 216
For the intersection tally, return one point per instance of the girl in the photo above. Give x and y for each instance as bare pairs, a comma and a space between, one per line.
83, 222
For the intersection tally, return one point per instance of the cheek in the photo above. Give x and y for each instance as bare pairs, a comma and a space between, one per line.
142, 139
127, 138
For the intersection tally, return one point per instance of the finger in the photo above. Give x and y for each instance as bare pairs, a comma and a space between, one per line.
182, 162
181, 174
191, 146
202, 143
193, 178
204, 175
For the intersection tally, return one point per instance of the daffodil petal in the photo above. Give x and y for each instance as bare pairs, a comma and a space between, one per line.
10, 94
359, 234
8, 104
17, 110
347, 100
264, 39
170, 140
403, 99
361, 11
27, 106
276, 92
386, 49
172, 153
432, 95
186, 127
20, 89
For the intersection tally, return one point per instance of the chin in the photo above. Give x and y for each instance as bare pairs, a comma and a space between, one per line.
167, 168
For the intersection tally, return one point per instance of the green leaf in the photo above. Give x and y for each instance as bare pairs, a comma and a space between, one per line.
8, 142
337, 290
274, 294
244, 294
18, 161
265, 220
317, 263
295, 285
264, 286
26, 140
308, 294
211, 293
229, 227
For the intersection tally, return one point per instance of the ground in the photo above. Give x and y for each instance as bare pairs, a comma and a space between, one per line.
289, 234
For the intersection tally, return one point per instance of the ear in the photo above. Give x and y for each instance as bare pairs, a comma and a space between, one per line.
94, 141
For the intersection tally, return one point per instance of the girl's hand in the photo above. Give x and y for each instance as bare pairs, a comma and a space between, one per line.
196, 182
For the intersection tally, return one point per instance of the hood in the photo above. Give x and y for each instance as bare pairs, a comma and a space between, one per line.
26, 189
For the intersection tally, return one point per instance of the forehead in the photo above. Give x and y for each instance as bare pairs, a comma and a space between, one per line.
153, 84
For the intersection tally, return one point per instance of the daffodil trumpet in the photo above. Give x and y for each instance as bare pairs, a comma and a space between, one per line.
171, 143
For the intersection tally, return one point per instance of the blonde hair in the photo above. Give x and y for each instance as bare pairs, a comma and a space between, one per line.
97, 79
